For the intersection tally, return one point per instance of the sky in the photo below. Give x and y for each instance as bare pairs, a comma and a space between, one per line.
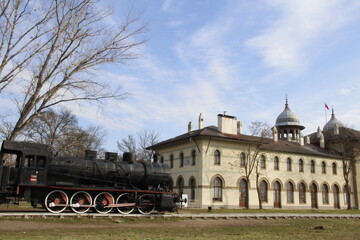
238, 56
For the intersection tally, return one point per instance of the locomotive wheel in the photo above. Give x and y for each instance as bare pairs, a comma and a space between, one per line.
80, 202
102, 200
125, 198
146, 204
56, 201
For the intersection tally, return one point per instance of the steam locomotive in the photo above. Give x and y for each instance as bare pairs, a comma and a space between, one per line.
28, 171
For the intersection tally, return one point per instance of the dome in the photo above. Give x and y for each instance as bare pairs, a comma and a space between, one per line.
288, 118
332, 123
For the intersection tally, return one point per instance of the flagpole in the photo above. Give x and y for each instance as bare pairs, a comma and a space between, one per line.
325, 113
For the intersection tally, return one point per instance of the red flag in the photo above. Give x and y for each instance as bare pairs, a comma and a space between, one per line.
327, 107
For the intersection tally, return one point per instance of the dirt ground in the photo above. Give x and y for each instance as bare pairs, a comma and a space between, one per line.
22, 225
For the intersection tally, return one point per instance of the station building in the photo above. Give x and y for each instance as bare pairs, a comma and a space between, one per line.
210, 165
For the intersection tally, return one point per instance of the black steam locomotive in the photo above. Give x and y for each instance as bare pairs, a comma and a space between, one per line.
28, 171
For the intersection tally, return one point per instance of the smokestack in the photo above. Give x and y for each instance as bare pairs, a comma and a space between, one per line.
322, 141
318, 132
301, 140
190, 127
275, 134
201, 121
239, 127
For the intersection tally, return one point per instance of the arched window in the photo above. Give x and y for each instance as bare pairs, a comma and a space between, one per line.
289, 164
181, 156
217, 189
192, 188
180, 185
277, 194
193, 157
325, 194
312, 166
313, 195
171, 161
217, 157
276, 163
302, 193
323, 167
242, 159
334, 168
301, 165
290, 192
263, 191
262, 162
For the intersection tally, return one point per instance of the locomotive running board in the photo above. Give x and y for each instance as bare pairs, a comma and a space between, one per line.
107, 206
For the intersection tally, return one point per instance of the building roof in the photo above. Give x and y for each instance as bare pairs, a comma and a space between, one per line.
295, 148
267, 143
332, 123
210, 131
329, 135
288, 118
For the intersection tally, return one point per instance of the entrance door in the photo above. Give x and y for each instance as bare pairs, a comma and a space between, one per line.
314, 201
243, 193
336, 197
277, 195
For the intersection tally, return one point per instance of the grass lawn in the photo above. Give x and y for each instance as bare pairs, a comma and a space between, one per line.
120, 228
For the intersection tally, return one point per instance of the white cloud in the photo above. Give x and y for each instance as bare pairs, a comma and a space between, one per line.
344, 91
285, 44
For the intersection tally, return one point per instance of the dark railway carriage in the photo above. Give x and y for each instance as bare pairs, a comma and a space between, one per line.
28, 171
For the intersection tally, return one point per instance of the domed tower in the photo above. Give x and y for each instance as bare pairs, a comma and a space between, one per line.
288, 125
333, 123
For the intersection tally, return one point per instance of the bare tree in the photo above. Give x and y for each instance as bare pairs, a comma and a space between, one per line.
60, 130
347, 143
260, 129
84, 139
128, 144
251, 163
138, 143
147, 138
22, 30
72, 41
51, 128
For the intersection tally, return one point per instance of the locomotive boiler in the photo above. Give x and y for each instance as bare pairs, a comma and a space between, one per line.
29, 171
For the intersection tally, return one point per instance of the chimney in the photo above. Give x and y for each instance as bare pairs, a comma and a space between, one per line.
201, 121
322, 141
307, 140
275, 134
301, 140
190, 126
318, 132
227, 124
239, 127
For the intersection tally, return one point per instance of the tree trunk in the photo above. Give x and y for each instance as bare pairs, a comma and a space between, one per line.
247, 193
258, 191
348, 195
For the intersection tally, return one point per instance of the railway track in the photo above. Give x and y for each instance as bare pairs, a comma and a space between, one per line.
43, 214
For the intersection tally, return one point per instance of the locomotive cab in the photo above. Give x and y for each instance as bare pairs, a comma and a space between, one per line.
22, 164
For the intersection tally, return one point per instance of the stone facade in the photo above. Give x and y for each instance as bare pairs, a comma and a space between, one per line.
208, 165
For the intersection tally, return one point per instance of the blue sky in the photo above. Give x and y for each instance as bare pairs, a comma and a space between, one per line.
238, 56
